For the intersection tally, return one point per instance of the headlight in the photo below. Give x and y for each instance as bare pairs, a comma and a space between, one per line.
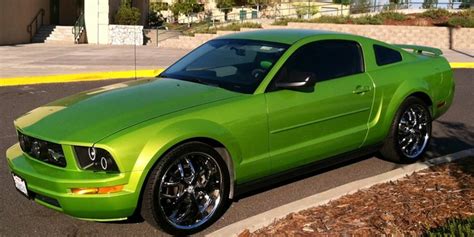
95, 159
48, 152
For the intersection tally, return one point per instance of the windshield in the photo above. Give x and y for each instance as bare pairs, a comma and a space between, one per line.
236, 65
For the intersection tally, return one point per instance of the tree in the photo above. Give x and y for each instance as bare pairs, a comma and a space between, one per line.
427, 4
185, 7
360, 6
155, 18
305, 10
343, 2
225, 6
127, 15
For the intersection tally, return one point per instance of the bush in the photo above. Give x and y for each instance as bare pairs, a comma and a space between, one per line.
368, 20
461, 21
237, 26
155, 19
332, 19
284, 21
127, 15
158, 6
394, 16
455, 227
230, 27
467, 13
303, 10
428, 4
436, 13
343, 2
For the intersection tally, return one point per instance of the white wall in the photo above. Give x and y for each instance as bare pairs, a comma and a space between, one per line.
96, 14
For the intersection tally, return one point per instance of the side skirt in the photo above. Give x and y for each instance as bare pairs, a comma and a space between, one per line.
265, 182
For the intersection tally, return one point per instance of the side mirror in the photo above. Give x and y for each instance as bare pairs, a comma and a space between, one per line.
301, 81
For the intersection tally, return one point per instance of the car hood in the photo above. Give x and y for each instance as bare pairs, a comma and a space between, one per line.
92, 115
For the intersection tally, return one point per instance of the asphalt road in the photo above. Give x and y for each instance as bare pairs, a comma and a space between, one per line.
19, 216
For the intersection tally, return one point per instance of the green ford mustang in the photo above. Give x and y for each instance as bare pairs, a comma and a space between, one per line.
239, 110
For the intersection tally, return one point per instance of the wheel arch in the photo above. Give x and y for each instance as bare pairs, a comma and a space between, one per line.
214, 143
220, 148
424, 97
169, 137
395, 103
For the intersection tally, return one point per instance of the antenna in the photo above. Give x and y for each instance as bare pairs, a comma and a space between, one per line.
135, 50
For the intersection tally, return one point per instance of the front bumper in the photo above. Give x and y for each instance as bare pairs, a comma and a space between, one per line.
51, 186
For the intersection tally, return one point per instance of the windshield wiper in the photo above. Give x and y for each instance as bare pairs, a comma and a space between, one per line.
193, 79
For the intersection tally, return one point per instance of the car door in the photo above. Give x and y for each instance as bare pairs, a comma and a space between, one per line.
330, 118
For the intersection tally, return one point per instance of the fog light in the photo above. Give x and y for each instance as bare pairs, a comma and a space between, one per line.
101, 190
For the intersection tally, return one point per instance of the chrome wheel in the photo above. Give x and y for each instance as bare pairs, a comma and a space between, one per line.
191, 190
413, 131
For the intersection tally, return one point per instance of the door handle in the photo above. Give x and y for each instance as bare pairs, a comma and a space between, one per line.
361, 89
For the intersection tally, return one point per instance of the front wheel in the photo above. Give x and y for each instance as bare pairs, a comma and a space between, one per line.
187, 190
410, 132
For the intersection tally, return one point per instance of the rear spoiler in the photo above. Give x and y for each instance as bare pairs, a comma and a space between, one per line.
420, 49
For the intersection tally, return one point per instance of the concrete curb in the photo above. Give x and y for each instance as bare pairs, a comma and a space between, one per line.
268, 217
89, 76
96, 76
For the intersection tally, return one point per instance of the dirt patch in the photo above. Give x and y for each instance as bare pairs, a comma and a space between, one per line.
408, 206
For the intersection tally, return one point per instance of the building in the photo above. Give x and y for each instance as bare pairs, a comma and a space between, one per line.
25, 21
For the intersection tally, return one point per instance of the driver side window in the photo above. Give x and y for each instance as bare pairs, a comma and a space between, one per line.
324, 60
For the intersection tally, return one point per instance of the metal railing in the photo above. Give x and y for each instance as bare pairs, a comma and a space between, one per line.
78, 28
35, 22
284, 10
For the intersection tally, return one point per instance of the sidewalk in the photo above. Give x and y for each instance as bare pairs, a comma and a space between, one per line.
45, 59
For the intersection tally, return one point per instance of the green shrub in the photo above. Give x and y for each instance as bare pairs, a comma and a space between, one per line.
467, 13
127, 15
428, 4
454, 227
332, 19
230, 27
158, 6
303, 10
237, 26
155, 19
368, 20
343, 2
461, 21
436, 13
391, 15
284, 21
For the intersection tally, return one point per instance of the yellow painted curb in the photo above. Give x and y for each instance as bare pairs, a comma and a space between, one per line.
90, 76
462, 65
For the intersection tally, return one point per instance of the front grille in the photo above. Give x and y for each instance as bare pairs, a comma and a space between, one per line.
46, 199
48, 152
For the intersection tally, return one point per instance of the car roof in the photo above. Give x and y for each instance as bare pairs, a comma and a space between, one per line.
285, 36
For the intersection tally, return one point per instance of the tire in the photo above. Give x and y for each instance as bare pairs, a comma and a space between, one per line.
180, 203
410, 132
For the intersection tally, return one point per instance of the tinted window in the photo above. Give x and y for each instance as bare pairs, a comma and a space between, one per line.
236, 65
325, 60
384, 55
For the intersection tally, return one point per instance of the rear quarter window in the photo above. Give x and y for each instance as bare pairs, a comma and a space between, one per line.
385, 56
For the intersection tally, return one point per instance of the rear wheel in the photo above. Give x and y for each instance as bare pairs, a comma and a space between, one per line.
410, 132
187, 190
